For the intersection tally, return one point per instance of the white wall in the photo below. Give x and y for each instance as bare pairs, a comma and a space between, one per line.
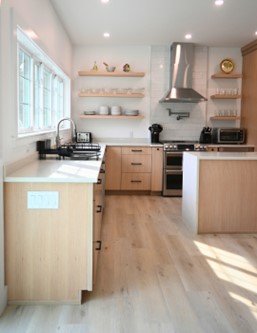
3, 290
40, 17
139, 59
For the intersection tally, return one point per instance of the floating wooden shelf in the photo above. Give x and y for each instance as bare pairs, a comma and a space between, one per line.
224, 118
98, 116
134, 95
102, 73
225, 96
226, 76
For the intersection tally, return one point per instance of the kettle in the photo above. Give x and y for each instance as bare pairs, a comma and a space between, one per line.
155, 130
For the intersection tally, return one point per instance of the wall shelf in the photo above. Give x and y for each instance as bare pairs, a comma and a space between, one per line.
103, 73
133, 95
98, 116
225, 96
225, 118
226, 76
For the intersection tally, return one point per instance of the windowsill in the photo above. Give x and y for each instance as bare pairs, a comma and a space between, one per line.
26, 135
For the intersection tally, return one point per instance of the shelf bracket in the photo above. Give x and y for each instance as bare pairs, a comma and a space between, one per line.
180, 115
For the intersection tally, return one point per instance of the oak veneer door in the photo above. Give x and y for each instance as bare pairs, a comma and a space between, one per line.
249, 96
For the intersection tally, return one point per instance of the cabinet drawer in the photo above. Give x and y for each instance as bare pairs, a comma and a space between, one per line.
136, 163
136, 150
136, 181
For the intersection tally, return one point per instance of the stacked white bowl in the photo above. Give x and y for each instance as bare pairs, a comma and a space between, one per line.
115, 110
104, 110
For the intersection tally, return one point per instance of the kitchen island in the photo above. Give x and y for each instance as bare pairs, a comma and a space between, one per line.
53, 211
219, 192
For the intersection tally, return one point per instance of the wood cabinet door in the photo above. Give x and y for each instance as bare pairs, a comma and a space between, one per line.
249, 89
113, 168
97, 225
136, 163
157, 169
136, 181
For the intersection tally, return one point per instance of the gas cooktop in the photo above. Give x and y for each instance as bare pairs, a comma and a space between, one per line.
183, 145
179, 141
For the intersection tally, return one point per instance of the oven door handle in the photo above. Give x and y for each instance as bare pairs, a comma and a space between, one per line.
173, 172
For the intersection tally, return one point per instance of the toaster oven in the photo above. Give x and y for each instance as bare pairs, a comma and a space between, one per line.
83, 137
231, 135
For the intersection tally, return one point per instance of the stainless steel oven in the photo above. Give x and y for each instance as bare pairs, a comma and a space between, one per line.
173, 165
172, 173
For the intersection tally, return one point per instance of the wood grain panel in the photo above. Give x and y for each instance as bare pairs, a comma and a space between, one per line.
136, 150
46, 250
136, 163
227, 193
249, 97
136, 181
113, 168
157, 169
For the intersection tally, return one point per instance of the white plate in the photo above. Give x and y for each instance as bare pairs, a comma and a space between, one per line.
131, 112
89, 112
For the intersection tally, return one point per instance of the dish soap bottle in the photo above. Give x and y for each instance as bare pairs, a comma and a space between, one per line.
95, 68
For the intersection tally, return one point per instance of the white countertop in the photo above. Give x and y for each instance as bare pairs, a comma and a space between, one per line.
129, 142
224, 155
58, 171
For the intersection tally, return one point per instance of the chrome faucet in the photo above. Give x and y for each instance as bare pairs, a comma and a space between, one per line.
73, 137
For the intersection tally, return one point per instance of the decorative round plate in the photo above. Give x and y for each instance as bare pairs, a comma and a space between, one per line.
227, 66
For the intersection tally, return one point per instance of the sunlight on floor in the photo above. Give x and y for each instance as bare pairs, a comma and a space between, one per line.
230, 267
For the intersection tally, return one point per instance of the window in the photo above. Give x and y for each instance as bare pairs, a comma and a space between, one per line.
43, 89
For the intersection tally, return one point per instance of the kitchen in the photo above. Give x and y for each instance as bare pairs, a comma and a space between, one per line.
141, 58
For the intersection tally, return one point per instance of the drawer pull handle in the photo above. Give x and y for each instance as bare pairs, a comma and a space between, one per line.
136, 181
99, 245
136, 150
133, 163
99, 209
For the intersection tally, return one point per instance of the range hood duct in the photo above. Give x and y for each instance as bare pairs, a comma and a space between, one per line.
182, 59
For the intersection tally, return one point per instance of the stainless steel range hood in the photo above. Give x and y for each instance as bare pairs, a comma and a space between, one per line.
182, 59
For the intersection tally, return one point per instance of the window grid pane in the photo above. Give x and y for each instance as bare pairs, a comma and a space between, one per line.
25, 91
40, 93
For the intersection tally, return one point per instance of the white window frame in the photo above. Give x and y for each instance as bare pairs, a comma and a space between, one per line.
46, 64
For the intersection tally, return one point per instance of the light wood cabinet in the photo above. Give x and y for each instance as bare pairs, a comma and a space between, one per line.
136, 166
249, 89
98, 216
49, 252
113, 168
157, 169
136, 181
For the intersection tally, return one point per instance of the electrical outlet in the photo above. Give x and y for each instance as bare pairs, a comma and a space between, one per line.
43, 199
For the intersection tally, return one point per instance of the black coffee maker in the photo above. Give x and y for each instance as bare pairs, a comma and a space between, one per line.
155, 130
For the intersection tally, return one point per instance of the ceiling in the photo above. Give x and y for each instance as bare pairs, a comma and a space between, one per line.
158, 22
